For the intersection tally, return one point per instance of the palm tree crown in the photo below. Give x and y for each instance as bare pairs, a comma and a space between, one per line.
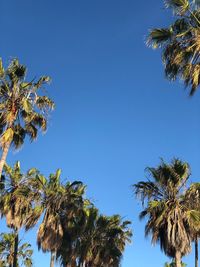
169, 218
22, 109
61, 204
180, 43
100, 242
16, 198
17, 201
7, 243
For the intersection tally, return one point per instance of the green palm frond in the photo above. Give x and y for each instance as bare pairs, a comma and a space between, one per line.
146, 190
194, 218
26, 105
39, 121
16, 71
181, 27
32, 172
42, 80
158, 37
43, 102
18, 136
7, 136
179, 6
31, 131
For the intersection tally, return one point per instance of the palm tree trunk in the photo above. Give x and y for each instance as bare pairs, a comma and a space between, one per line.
53, 256
178, 259
196, 252
3, 156
15, 249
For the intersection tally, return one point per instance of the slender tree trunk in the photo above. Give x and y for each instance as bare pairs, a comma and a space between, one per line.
3, 156
178, 259
196, 252
16, 249
53, 256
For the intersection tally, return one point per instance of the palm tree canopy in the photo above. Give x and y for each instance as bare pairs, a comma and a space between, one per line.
180, 43
61, 204
23, 109
17, 199
169, 219
101, 241
7, 251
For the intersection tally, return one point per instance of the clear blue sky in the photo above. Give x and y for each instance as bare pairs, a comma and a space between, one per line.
115, 114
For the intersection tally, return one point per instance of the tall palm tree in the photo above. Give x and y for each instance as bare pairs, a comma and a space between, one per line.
7, 244
16, 200
60, 205
193, 203
23, 111
180, 43
169, 219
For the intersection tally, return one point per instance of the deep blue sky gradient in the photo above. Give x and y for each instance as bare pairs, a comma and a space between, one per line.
115, 112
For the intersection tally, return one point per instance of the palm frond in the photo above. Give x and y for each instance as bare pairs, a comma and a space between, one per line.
179, 6
43, 102
159, 36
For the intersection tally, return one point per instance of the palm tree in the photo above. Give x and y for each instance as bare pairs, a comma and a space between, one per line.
169, 218
71, 251
100, 243
180, 43
60, 204
22, 110
111, 235
87, 243
16, 200
193, 202
7, 244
